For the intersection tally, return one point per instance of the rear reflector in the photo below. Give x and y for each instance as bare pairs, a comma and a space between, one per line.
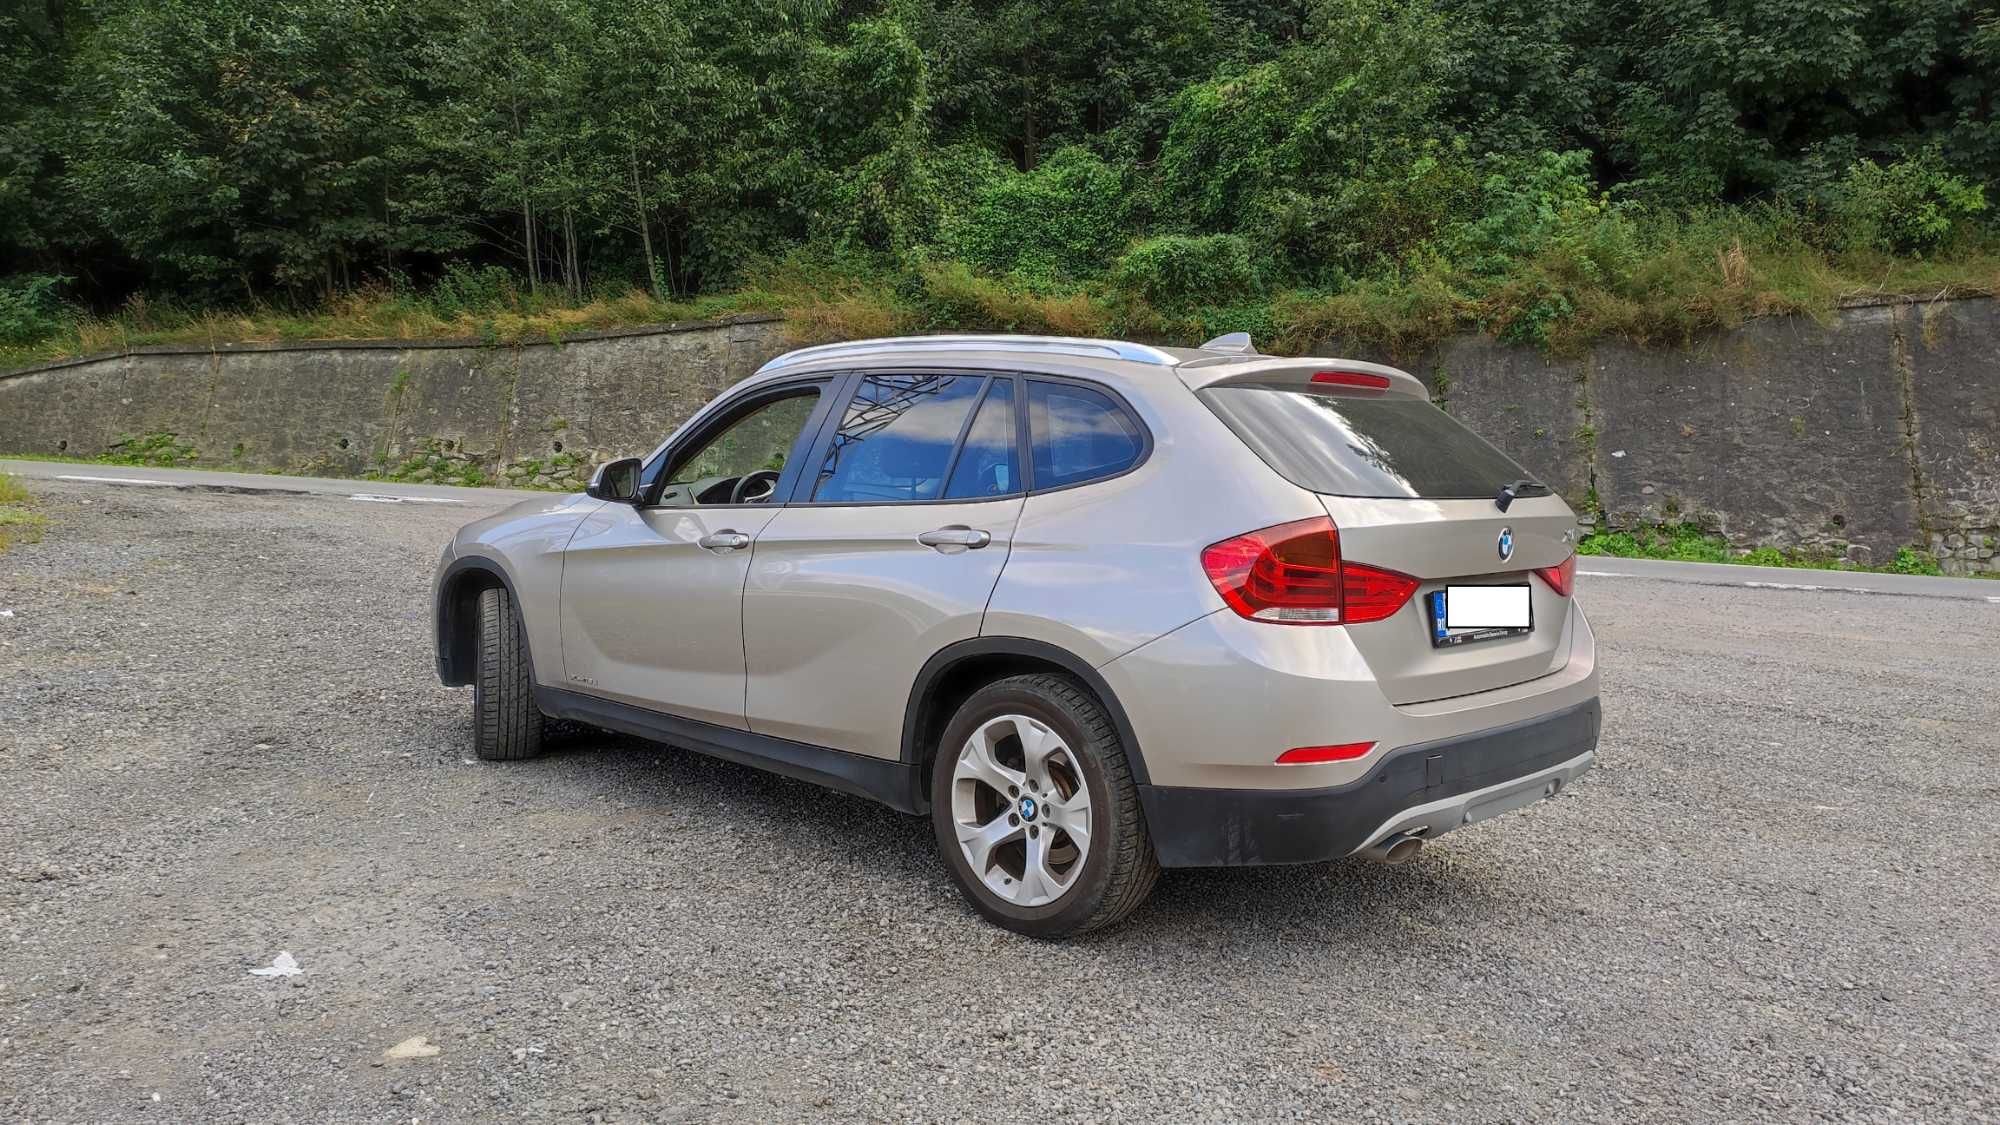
1366, 379
1292, 574
1307, 755
1560, 577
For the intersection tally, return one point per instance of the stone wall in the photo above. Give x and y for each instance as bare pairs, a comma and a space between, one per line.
449, 410
1875, 431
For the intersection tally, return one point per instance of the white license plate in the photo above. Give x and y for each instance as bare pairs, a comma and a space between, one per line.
1464, 614
1486, 607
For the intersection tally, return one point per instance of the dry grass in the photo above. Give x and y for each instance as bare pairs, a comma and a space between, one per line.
1656, 285
19, 523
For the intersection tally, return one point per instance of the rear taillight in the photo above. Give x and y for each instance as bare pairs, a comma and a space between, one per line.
1560, 577
1292, 574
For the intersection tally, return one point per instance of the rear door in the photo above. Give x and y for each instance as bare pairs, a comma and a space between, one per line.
888, 552
1413, 491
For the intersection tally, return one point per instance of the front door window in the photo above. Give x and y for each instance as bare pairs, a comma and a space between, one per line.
741, 463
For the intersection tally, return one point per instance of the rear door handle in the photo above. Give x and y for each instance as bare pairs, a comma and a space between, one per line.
956, 535
724, 541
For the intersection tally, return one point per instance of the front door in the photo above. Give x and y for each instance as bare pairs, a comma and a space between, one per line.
652, 594
888, 552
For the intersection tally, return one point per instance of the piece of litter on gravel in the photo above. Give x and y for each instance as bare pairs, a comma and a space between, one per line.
283, 965
6, 613
415, 1047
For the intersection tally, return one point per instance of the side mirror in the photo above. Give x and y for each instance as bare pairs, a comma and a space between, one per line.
616, 481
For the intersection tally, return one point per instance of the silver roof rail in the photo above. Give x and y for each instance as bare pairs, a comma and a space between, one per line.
1044, 345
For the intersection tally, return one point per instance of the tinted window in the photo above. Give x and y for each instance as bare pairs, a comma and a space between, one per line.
990, 463
1348, 446
896, 440
1080, 434
760, 439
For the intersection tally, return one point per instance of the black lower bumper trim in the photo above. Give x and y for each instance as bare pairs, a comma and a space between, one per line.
1241, 827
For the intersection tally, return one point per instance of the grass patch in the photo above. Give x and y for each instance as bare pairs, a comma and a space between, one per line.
1685, 542
19, 522
1658, 281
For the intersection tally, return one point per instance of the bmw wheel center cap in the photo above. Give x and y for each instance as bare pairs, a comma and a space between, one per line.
1028, 808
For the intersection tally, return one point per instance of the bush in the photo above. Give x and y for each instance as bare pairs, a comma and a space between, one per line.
1178, 270
1911, 206
29, 308
466, 291
1063, 221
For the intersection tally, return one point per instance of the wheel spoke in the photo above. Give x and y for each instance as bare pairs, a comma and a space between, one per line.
1073, 817
978, 763
1037, 743
1038, 880
979, 840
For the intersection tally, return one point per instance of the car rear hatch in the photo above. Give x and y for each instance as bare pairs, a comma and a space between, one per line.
1411, 491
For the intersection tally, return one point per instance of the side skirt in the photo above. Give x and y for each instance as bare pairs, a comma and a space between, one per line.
886, 780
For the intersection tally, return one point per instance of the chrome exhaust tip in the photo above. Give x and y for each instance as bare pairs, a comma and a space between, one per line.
1398, 849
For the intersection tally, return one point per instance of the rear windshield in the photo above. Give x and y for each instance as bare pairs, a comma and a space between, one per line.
1344, 445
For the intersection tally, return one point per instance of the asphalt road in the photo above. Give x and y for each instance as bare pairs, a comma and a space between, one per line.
1777, 898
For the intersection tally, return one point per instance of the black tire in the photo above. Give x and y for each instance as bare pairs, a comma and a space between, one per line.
507, 726
1120, 867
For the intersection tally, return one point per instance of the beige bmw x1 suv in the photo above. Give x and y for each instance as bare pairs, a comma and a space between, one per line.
1096, 608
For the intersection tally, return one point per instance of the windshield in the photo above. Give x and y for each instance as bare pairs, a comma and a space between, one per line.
1345, 445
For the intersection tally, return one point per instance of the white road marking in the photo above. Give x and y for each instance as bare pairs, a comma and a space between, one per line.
122, 480
372, 498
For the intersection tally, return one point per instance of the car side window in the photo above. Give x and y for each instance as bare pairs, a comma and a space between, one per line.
895, 442
989, 464
1079, 434
755, 444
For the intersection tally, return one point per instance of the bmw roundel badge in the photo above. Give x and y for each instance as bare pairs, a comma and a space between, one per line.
1506, 543
1027, 808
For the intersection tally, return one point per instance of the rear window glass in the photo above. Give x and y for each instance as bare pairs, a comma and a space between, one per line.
1079, 434
1345, 445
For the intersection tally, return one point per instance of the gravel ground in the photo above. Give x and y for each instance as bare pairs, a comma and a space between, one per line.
1775, 899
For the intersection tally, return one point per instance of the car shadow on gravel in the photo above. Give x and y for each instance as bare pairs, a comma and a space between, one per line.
1341, 900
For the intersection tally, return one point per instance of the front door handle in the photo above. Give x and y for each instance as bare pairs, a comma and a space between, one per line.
956, 535
725, 541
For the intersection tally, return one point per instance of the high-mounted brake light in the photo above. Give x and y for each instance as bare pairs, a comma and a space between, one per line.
1307, 755
1367, 379
1560, 577
1292, 574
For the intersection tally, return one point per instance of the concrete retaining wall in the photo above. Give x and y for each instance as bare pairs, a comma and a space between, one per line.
1877, 431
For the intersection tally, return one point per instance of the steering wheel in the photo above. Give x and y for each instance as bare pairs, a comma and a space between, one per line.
741, 494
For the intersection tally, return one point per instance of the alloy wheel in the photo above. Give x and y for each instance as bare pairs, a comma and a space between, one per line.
1021, 810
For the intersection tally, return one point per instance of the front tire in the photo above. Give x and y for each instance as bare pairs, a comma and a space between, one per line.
1035, 810
507, 726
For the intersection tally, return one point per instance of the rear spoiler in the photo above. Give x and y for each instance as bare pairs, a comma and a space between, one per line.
1311, 373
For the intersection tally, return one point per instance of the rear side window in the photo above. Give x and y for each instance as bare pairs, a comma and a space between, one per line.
896, 440
1344, 445
990, 463
1079, 434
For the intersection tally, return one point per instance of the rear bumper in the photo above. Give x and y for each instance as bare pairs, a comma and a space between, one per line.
1437, 785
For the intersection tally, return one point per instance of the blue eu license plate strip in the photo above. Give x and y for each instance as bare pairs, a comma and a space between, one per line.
1443, 636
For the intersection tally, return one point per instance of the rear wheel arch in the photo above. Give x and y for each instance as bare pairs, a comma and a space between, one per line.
458, 615
954, 673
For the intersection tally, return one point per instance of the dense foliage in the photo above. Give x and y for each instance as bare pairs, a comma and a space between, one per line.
1291, 167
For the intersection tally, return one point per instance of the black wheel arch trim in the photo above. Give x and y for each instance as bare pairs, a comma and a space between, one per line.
945, 658
453, 668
